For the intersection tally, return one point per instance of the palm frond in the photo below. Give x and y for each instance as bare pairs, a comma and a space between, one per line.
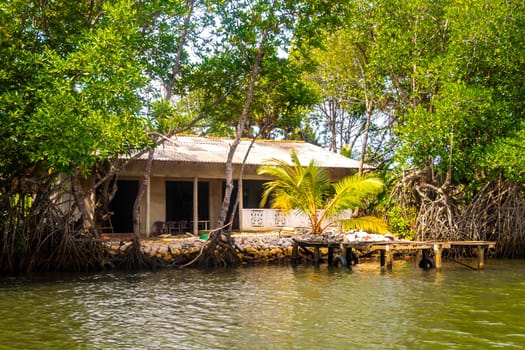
350, 193
309, 190
370, 224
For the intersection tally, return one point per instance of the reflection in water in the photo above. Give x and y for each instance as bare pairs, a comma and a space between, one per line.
268, 308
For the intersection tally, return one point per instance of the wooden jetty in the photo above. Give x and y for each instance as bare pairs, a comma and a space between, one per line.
386, 250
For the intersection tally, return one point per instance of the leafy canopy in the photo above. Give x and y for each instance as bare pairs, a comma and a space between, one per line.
69, 84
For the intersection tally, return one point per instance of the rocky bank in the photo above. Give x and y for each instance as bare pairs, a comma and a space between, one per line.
253, 248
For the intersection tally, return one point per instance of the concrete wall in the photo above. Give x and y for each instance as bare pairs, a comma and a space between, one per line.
215, 201
157, 200
271, 219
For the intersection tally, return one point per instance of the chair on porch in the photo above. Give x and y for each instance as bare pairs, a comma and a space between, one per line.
107, 225
179, 226
172, 227
160, 228
183, 226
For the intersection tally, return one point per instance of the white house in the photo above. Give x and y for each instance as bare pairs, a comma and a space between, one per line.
188, 179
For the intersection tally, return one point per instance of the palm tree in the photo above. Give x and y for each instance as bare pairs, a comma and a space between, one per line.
308, 189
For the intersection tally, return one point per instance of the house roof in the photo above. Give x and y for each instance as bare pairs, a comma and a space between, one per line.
197, 149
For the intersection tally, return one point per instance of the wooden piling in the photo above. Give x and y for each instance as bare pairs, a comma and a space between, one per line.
295, 253
481, 257
330, 256
437, 256
386, 250
349, 255
317, 256
389, 256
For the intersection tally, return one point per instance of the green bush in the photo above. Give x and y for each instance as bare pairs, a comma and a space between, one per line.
400, 222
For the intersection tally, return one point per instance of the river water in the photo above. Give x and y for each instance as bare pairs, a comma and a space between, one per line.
269, 307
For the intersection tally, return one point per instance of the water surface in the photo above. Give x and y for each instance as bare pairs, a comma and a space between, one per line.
269, 307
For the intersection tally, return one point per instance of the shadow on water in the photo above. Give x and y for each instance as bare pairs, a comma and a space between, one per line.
269, 307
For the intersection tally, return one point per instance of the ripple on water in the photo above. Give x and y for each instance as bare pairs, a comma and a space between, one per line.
268, 308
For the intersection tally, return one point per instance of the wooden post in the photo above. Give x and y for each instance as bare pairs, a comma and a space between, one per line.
316, 256
437, 253
295, 253
344, 250
382, 258
349, 255
481, 257
419, 256
389, 257
330, 256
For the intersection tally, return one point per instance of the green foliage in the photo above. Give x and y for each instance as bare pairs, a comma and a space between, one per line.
168, 118
79, 81
346, 150
69, 90
220, 80
401, 222
454, 68
352, 91
444, 76
506, 156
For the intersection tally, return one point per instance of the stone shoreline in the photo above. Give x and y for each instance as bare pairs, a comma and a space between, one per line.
256, 248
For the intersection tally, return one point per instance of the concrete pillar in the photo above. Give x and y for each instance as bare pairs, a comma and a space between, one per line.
241, 205
195, 205
148, 208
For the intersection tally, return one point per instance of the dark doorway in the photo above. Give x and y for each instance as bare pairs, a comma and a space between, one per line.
122, 206
252, 194
179, 200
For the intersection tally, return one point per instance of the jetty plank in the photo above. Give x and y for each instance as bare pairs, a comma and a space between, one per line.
387, 248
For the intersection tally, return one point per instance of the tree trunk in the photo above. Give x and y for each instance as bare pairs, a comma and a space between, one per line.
176, 67
332, 125
240, 128
219, 249
364, 145
168, 95
85, 204
241, 174
143, 186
